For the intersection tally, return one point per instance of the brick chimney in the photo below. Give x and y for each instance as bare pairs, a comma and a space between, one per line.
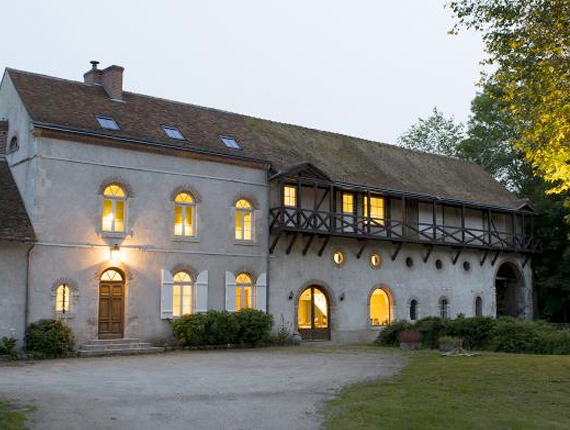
111, 79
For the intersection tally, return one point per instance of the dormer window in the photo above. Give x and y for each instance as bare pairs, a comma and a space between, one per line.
230, 142
173, 132
107, 123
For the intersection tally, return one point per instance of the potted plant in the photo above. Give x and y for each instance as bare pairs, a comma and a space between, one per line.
410, 339
449, 343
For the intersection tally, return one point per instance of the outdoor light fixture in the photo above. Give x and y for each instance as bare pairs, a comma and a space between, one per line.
291, 295
116, 253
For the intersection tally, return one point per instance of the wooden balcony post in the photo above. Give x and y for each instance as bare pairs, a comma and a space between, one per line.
434, 220
388, 220
463, 223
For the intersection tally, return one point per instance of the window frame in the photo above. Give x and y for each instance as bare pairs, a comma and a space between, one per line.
367, 203
194, 221
236, 146
414, 304
241, 289
176, 130
101, 118
443, 308
114, 199
184, 285
290, 201
240, 213
63, 312
388, 295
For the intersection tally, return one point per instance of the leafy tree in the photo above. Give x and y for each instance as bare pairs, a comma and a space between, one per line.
528, 47
436, 134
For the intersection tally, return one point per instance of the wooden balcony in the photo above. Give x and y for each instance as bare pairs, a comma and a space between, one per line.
329, 223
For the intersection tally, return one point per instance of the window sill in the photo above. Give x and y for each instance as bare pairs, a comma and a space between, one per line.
191, 239
245, 242
66, 315
111, 234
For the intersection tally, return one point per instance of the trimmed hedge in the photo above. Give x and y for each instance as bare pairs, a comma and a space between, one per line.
247, 326
505, 334
49, 338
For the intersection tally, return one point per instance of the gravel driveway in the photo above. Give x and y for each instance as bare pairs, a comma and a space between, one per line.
276, 388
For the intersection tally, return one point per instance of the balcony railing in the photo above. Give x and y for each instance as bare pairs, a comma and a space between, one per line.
310, 221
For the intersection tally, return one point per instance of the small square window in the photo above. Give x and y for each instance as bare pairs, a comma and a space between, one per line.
108, 123
230, 142
173, 133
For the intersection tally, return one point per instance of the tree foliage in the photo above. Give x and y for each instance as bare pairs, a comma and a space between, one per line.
528, 47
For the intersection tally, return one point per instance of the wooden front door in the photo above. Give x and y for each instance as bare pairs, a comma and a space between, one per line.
313, 315
111, 305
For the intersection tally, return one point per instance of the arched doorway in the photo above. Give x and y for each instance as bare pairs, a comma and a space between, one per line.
380, 307
111, 304
508, 290
313, 315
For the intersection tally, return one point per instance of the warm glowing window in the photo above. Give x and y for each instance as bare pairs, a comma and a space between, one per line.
313, 309
348, 203
380, 309
62, 299
244, 220
290, 196
114, 207
112, 276
244, 292
338, 258
183, 295
375, 260
443, 308
184, 215
376, 209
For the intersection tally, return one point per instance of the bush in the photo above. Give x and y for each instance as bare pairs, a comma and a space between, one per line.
223, 328
388, 336
432, 328
49, 338
476, 332
8, 345
531, 337
454, 341
410, 336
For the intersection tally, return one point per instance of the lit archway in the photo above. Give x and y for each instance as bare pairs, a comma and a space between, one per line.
313, 314
380, 307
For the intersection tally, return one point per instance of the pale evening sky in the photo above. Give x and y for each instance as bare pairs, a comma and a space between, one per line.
367, 68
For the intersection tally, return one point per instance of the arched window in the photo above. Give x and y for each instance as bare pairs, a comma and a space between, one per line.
380, 308
413, 310
443, 308
14, 146
478, 306
245, 297
184, 215
114, 209
62, 299
244, 220
183, 295
111, 275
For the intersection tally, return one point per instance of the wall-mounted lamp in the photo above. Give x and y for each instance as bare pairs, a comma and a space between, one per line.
341, 297
291, 295
116, 253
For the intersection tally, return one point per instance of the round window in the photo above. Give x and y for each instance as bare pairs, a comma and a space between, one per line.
338, 258
409, 261
466, 265
375, 260
438, 264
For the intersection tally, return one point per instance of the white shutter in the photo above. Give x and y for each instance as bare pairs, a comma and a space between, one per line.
202, 292
261, 292
230, 292
166, 295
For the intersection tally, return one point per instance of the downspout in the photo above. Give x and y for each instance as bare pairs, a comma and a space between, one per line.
267, 293
27, 301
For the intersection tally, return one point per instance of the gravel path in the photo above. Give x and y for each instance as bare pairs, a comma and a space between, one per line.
277, 388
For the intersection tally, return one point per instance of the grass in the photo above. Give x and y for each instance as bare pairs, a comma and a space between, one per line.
12, 418
491, 391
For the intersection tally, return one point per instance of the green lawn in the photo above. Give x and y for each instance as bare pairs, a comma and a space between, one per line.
12, 419
491, 391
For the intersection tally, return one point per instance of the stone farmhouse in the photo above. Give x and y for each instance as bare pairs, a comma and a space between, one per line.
121, 211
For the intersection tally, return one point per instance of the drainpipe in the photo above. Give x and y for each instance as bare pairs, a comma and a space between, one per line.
267, 295
27, 301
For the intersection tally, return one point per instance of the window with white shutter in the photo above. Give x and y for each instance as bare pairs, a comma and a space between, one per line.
166, 295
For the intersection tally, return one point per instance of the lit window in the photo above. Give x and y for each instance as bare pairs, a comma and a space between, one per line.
413, 310
347, 203
376, 209
108, 123
230, 142
183, 295
244, 292
338, 258
375, 260
114, 207
478, 307
290, 196
62, 299
173, 133
380, 312
112, 276
184, 215
443, 308
244, 220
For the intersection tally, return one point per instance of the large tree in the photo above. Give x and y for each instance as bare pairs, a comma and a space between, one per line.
528, 47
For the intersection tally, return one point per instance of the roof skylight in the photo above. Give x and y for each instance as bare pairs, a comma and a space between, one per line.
173, 132
107, 123
230, 142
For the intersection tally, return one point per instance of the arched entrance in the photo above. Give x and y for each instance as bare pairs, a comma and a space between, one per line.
313, 314
508, 290
111, 304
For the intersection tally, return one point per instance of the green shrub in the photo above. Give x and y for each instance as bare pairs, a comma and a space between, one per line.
457, 342
49, 338
388, 336
476, 332
432, 328
521, 336
223, 328
8, 345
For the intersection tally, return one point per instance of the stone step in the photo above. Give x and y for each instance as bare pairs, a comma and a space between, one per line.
112, 352
112, 341
117, 345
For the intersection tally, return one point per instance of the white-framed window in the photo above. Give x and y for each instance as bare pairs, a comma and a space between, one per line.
443, 308
183, 294
245, 292
173, 132
290, 196
63, 299
184, 215
114, 209
244, 223
107, 123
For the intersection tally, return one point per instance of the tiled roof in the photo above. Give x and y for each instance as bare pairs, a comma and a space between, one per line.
75, 105
14, 222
